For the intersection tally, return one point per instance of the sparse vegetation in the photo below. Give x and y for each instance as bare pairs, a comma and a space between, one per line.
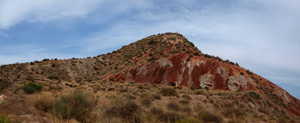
32, 87
5, 118
209, 117
129, 111
169, 92
54, 77
76, 105
173, 106
254, 95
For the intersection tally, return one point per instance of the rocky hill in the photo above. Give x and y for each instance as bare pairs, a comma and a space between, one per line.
167, 59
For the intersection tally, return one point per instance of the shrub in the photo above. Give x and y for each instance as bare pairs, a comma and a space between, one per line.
184, 102
4, 118
53, 77
44, 105
196, 53
186, 97
254, 95
199, 93
169, 92
187, 110
151, 41
30, 78
129, 111
192, 88
157, 96
158, 112
129, 96
173, 106
76, 105
146, 102
208, 117
171, 117
231, 112
262, 110
188, 120
32, 87
152, 59
165, 117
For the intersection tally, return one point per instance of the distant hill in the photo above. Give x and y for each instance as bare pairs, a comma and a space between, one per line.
167, 59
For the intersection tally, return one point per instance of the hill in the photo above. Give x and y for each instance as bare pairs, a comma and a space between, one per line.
160, 70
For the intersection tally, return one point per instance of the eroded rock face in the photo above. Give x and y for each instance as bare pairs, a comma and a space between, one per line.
238, 82
283, 94
197, 72
206, 81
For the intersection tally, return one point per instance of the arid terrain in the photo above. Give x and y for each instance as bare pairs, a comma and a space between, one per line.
160, 78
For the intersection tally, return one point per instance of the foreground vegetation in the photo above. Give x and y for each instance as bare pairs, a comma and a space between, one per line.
109, 102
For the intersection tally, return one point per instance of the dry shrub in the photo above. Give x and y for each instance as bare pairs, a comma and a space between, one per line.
171, 117
209, 117
129, 96
263, 110
173, 106
157, 96
232, 112
187, 110
165, 116
77, 104
188, 120
186, 97
168, 92
44, 102
157, 112
184, 102
146, 102
129, 111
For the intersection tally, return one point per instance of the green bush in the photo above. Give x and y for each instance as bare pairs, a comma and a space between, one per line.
32, 87
4, 118
169, 92
254, 95
53, 77
76, 105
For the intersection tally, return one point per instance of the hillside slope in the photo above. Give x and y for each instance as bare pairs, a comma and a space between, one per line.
167, 59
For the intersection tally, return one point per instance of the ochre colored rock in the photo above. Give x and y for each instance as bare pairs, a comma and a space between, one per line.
198, 71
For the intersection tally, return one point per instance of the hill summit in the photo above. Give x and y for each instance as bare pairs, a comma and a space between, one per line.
167, 59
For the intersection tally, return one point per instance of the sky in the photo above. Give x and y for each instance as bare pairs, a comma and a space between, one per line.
261, 35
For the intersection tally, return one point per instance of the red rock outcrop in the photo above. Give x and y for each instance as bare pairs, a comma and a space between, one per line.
199, 71
196, 71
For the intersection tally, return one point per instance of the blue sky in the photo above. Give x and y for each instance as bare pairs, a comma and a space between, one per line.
260, 35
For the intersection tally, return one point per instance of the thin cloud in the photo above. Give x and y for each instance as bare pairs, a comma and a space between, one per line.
15, 11
4, 35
